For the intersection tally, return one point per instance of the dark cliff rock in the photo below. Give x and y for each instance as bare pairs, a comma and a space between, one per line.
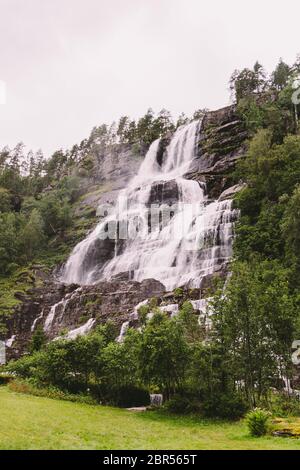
114, 300
220, 146
164, 192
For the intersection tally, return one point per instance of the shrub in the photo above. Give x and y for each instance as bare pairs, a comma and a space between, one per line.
182, 405
258, 422
143, 312
25, 366
178, 292
283, 405
29, 388
225, 406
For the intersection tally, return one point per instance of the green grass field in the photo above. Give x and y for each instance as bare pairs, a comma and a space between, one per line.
28, 422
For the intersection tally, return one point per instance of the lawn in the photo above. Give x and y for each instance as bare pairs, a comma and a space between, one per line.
28, 422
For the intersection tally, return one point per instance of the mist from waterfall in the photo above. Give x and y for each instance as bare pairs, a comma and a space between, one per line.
194, 242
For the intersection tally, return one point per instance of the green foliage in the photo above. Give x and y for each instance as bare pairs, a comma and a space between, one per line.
180, 404
189, 323
56, 213
5, 200
258, 422
227, 406
28, 387
281, 75
268, 204
290, 227
284, 405
38, 340
10, 224
264, 102
163, 353
19, 282
26, 366
251, 113
178, 292
254, 321
143, 312
246, 82
32, 236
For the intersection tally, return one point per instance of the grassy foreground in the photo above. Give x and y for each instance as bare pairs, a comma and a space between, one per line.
28, 422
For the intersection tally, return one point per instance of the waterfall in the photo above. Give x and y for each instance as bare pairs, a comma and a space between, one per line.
123, 331
81, 330
37, 320
61, 305
51, 314
9, 342
193, 242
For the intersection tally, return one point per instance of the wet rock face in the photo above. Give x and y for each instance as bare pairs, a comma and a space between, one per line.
103, 301
99, 253
164, 192
220, 146
117, 163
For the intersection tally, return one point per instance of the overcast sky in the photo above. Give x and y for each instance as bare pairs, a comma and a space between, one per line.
72, 64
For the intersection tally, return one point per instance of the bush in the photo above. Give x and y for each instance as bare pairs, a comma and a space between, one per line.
25, 366
182, 405
143, 312
130, 396
258, 422
283, 405
24, 386
225, 406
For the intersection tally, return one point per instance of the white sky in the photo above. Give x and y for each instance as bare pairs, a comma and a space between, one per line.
72, 64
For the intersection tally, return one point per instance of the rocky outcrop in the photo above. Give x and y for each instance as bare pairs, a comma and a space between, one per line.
164, 192
220, 146
230, 192
71, 306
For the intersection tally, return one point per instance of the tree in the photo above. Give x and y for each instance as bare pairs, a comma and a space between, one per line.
32, 237
182, 120
246, 82
242, 83
260, 76
281, 75
200, 113
9, 243
38, 340
254, 320
56, 213
122, 128
163, 124
144, 128
163, 354
189, 323
5, 200
290, 227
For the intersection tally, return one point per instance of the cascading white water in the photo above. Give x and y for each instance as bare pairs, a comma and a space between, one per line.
123, 331
59, 306
36, 321
193, 243
81, 330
